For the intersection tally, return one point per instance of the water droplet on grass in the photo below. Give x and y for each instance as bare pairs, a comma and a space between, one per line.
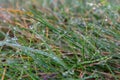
55, 58
25, 67
106, 20
7, 40
14, 39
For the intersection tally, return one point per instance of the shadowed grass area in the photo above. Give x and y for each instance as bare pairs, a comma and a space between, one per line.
60, 40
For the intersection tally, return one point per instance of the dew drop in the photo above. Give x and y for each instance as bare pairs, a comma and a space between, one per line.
25, 67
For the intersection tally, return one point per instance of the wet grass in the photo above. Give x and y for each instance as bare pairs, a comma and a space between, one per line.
60, 40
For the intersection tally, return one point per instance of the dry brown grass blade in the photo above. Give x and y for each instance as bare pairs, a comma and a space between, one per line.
3, 75
47, 31
16, 11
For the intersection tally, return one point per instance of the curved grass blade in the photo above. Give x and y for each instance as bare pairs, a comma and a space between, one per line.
26, 49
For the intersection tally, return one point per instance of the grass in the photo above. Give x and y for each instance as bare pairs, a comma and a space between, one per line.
60, 40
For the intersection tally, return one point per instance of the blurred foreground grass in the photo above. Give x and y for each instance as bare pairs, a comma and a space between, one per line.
59, 40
